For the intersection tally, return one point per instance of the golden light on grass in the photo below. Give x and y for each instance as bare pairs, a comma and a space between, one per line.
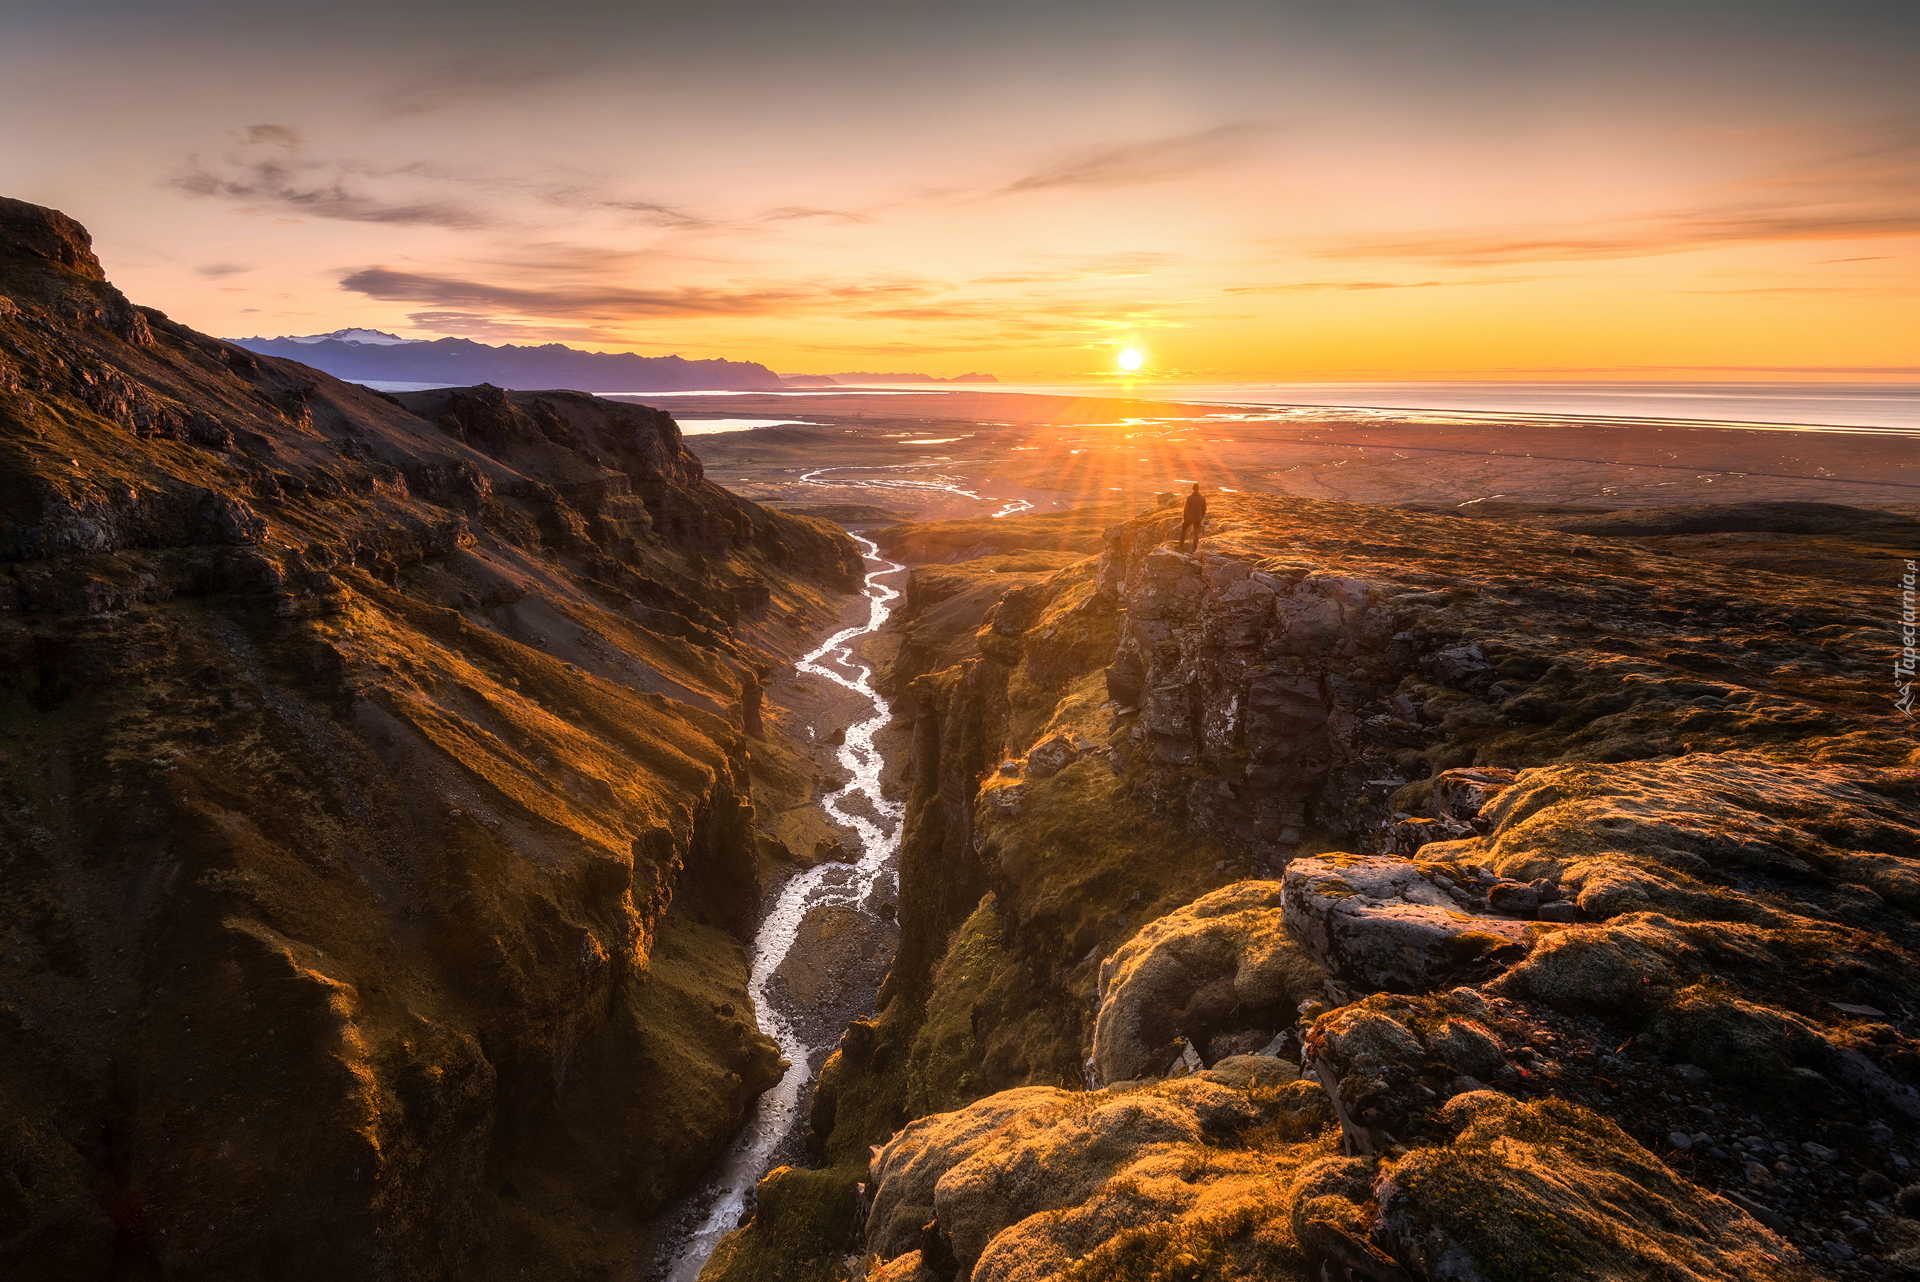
1131, 359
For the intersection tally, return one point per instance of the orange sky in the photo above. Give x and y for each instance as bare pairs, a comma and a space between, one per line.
1374, 190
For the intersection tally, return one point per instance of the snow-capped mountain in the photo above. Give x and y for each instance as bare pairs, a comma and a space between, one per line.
361, 337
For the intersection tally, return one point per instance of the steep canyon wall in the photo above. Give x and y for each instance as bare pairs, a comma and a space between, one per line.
377, 805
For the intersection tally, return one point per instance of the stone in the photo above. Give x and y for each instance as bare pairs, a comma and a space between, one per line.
1561, 910
1692, 1074
1468, 1048
1758, 1210
1874, 1184
1463, 793
1051, 756
1513, 898
1380, 923
1242, 1071
1680, 1140
1223, 962
1839, 1252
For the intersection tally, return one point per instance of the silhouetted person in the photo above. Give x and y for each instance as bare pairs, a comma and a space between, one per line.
1194, 518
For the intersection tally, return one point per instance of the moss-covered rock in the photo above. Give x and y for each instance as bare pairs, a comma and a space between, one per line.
1549, 1190
1223, 963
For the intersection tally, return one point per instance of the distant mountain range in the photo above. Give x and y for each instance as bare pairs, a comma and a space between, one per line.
866, 376
371, 355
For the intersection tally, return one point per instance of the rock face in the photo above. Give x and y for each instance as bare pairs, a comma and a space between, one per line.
375, 802
1596, 846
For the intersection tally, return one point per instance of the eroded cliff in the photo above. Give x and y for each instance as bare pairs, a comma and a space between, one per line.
376, 805
1519, 903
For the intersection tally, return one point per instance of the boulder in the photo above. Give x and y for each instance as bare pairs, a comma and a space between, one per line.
1614, 1209
1224, 962
1383, 923
1461, 794
1026, 1185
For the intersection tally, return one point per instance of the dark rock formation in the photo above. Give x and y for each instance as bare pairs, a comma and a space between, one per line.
375, 806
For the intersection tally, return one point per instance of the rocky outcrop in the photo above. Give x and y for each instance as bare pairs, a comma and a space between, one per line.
1218, 975
1038, 1185
376, 803
1621, 836
1390, 925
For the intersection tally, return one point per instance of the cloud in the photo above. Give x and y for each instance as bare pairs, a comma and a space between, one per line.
1706, 369
1639, 239
1316, 286
276, 185
263, 174
274, 135
1156, 160
484, 75
1866, 188
791, 213
596, 301
217, 270
473, 325
1076, 267
642, 211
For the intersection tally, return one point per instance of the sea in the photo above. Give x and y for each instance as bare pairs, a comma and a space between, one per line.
1892, 408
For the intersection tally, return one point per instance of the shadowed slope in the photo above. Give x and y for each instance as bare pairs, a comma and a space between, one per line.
374, 802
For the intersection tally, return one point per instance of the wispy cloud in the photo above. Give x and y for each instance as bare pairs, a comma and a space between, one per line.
1637, 239
1154, 160
269, 184
795, 213
265, 173
270, 169
273, 135
1320, 286
1864, 190
1705, 369
1078, 267
485, 75
596, 301
215, 271
641, 211
473, 325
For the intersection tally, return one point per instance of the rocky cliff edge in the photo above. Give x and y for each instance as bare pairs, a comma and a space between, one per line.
1561, 895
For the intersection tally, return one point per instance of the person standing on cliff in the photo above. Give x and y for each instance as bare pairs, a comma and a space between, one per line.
1194, 517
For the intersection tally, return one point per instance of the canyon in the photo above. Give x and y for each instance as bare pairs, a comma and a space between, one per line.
1378, 894
447, 834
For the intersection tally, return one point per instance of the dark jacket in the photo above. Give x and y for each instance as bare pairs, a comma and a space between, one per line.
1196, 508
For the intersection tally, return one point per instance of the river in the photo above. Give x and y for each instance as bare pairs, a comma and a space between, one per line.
874, 823
943, 484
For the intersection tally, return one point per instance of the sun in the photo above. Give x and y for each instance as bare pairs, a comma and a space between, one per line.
1131, 359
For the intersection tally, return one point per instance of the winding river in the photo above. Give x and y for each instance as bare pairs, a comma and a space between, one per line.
875, 823
818, 476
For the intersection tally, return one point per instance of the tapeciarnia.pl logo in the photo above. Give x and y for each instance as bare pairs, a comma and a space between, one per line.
1903, 667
